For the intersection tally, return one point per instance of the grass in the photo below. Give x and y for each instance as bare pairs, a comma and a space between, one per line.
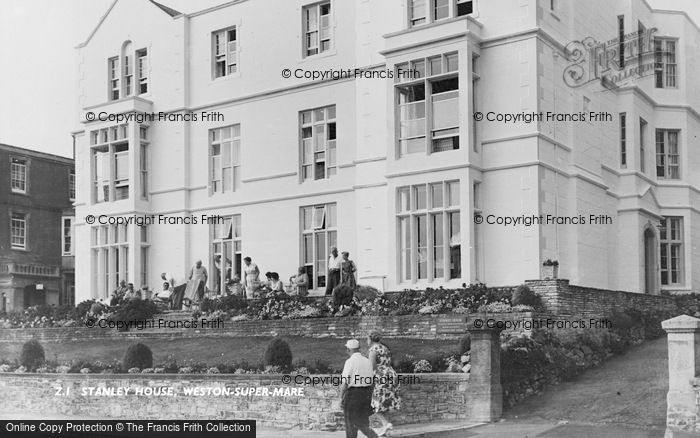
226, 349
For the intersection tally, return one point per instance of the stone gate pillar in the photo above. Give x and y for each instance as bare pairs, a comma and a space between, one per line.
485, 378
683, 366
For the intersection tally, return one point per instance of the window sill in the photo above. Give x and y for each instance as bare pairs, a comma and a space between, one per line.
220, 79
325, 54
19, 192
19, 249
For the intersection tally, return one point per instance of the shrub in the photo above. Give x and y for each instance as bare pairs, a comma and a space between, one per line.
135, 310
342, 295
32, 355
366, 293
523, 295
465, 344
278, 353
138, 356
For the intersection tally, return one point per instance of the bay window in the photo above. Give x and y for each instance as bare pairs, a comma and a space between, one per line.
432, 127
429, 231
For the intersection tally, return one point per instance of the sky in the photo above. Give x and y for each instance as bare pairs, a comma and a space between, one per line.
37, 64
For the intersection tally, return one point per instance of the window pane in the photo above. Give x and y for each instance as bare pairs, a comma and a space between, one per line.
451, 62
436, 194
420, 196
331, 216
441, 9
419, 66
438, 246
435, 65
455, 245
405, 248
453, 193
404, 199
422, 246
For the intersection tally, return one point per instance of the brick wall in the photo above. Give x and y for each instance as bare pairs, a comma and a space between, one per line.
436, 397
563, 299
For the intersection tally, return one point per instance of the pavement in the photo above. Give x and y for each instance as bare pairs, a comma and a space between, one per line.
503, 428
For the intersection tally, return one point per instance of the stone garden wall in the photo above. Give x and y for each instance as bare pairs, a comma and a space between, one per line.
442, 326
434, 397
563, 299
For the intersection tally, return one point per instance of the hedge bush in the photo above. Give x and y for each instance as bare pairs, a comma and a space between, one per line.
138, 356
135, 310
32, 355
523, 295
278, 354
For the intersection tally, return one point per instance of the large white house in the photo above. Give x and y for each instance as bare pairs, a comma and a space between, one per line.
246, 130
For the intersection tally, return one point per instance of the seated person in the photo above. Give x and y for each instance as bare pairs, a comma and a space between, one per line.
234, 287
164, 295
276, 286
300, 282
119, 293
131, 294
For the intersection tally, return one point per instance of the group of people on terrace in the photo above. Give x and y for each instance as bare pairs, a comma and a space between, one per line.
341, 271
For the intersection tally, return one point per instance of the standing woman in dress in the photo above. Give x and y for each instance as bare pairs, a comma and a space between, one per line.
251, 277
385, 396
347, 270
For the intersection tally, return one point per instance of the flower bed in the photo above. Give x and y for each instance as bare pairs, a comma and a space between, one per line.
366, 301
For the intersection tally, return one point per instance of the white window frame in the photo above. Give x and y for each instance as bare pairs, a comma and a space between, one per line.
643, 126
19, 175
408, 217
110, 256
106, 141
142, 71
430, 10
222, 235
144, 233
144, 161
313, 39
128, 74
429, 75
67, 234
71, 185
623, 140
225, 51
670, 227
18, 230
114, 78
218, 137
667, 160
318, 148
315, 221
665, 62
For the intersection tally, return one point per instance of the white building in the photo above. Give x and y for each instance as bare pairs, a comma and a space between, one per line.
390, 166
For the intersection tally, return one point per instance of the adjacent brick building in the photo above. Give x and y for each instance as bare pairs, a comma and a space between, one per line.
36, 228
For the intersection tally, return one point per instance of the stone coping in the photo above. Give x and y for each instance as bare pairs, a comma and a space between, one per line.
431, 377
